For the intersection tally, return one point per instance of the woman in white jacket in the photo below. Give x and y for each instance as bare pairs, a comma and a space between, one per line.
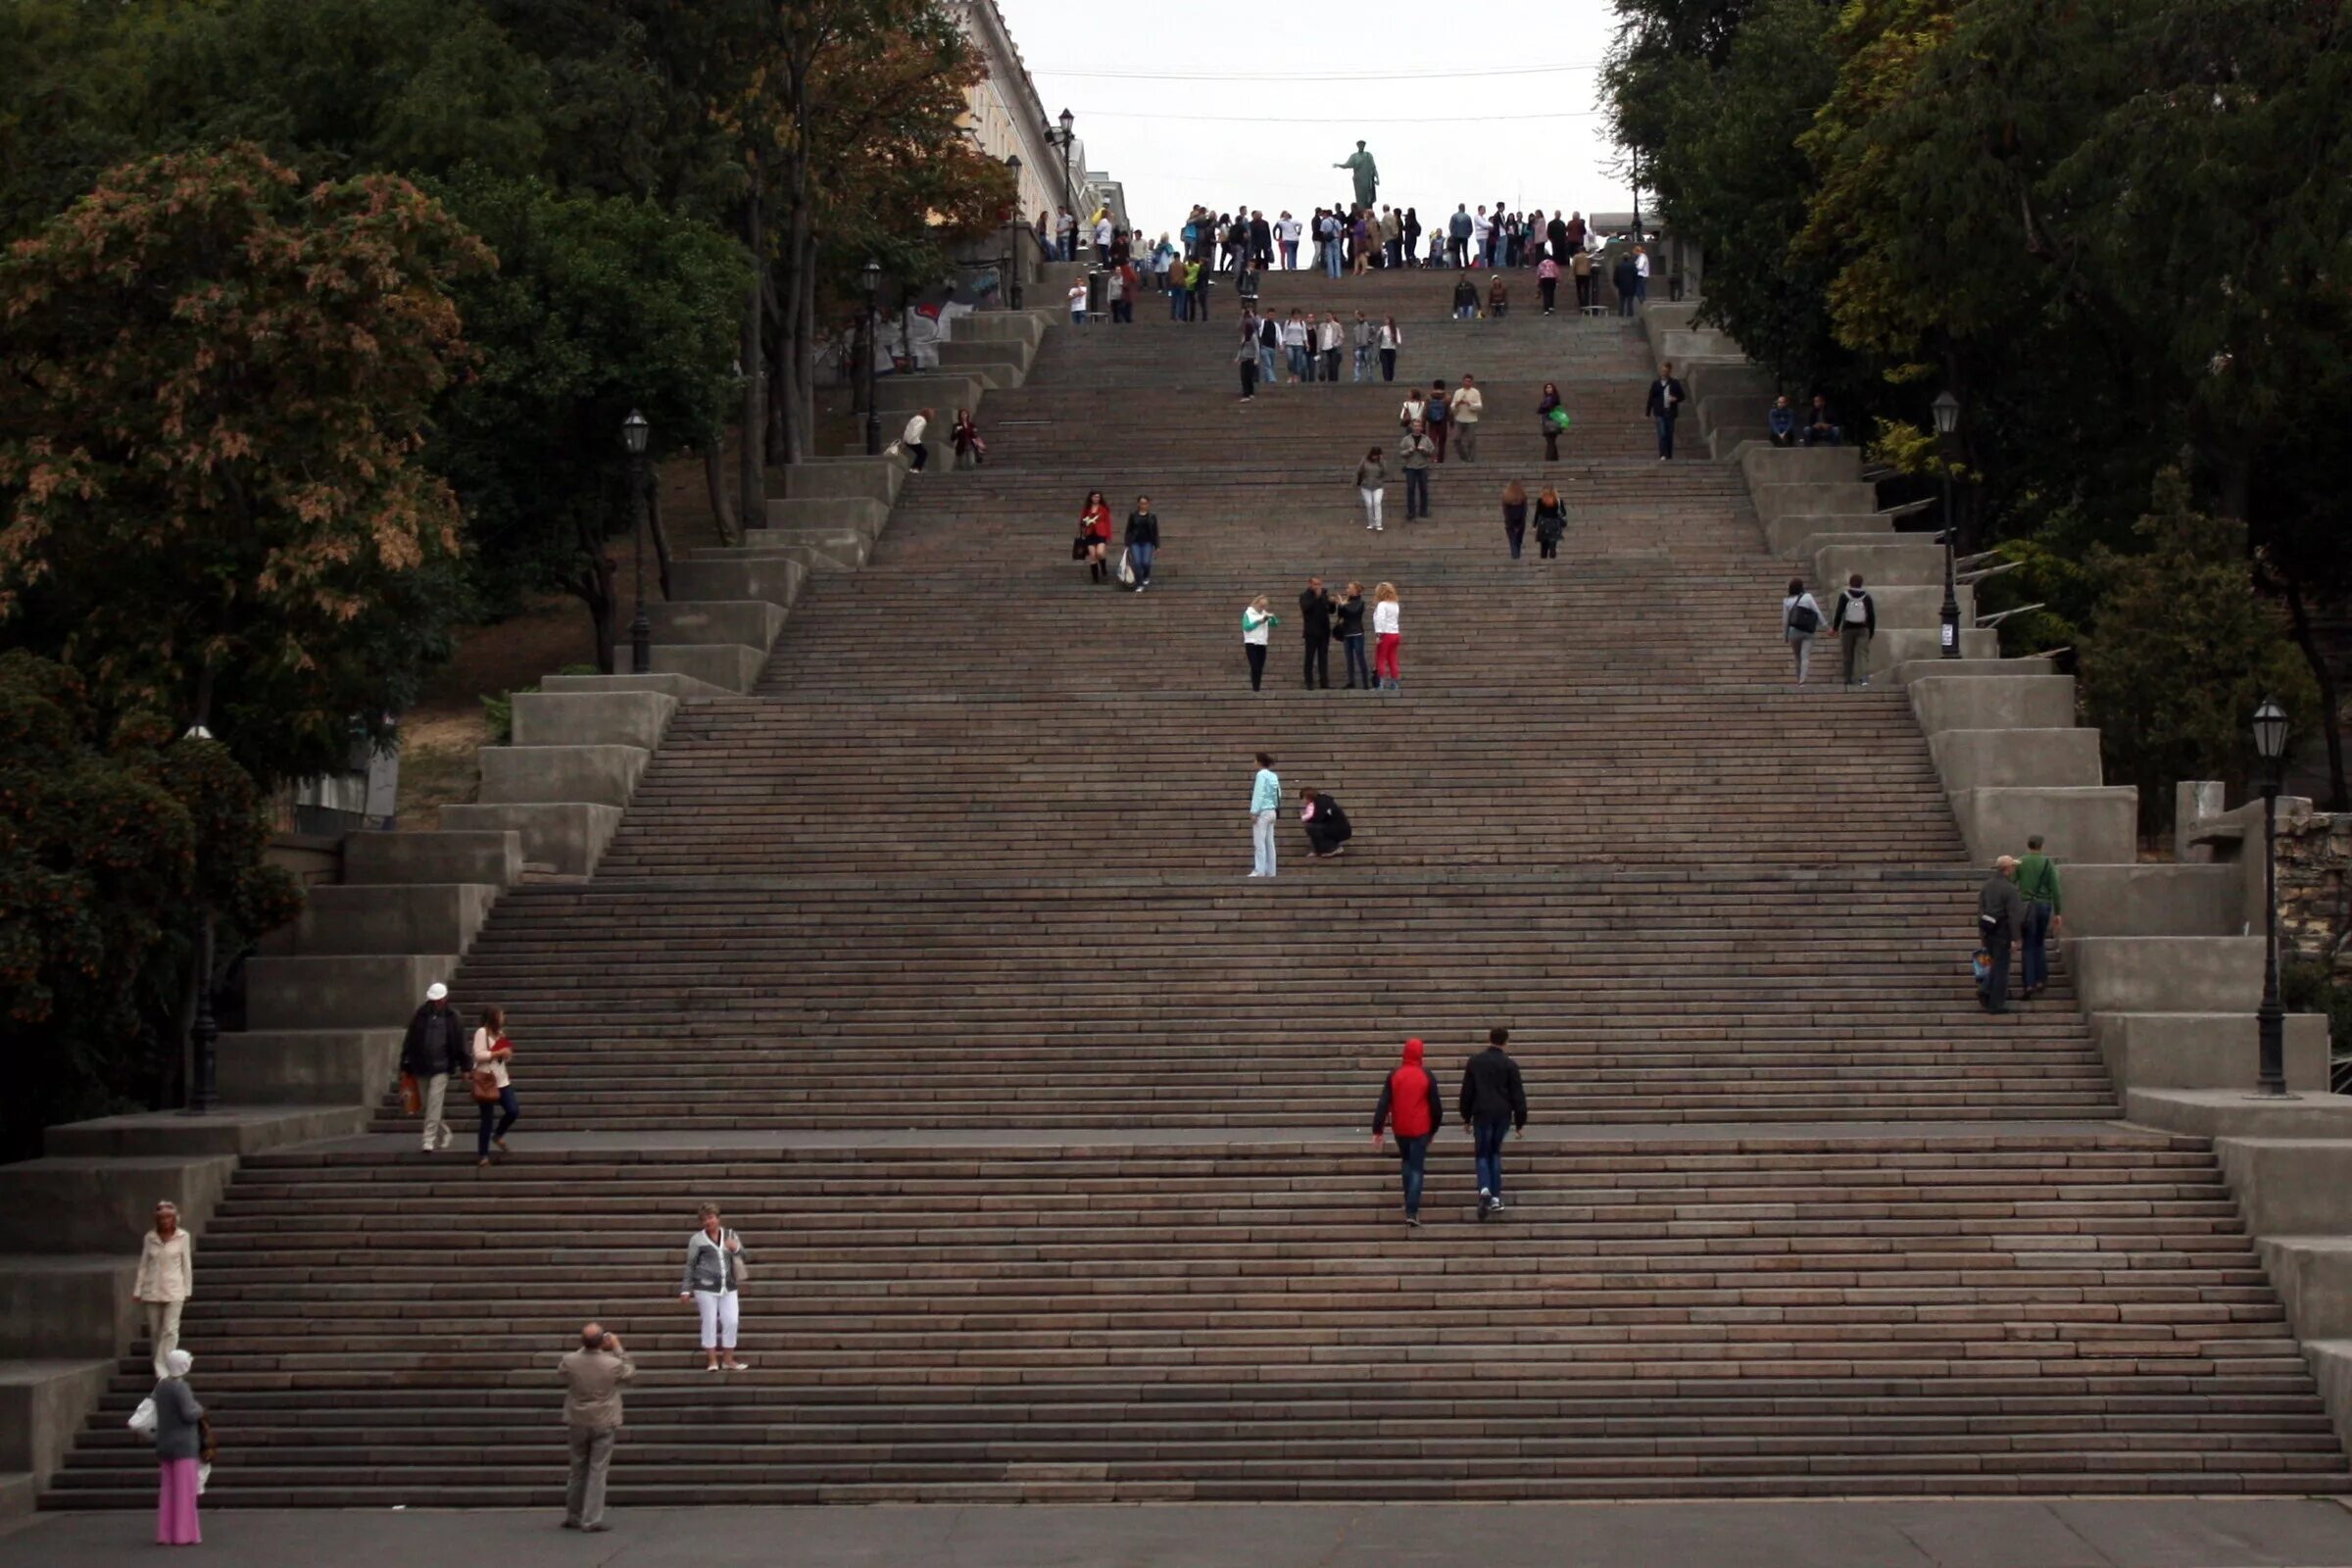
1800, 623
166, 1279
1388, 637
712, 1281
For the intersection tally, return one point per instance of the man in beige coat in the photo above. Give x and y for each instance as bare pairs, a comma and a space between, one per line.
592, 1376
166, 1279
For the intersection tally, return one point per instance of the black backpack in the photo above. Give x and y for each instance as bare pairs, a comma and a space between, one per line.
1803, 617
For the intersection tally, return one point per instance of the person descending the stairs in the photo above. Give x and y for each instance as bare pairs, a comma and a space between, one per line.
2000, 925
1094, 528
167, 1278
1328, 829
1493, 1105
1371, 486
1349, 623
1800, 623
713, 1282
1258, 622
1142, 541
1388, 637
1266, 800
1409, 1103
2045, 916
1665, 406
489, 1056
1314, 630
434, 1047
964, 433
1857, 624
1466, 406
918, 452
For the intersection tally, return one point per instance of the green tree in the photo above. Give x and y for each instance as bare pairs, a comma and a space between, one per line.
602, 305
112, 836
2184, 651
214, 385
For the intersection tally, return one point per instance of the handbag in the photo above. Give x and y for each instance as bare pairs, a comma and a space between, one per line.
1126, 568
485, 1086
1079, 545
411, 1100
142, 1420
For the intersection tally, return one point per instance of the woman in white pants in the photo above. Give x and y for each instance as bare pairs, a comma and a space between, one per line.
713, 1271
1371, 482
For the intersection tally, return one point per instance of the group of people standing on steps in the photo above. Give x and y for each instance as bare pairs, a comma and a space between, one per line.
1325, 617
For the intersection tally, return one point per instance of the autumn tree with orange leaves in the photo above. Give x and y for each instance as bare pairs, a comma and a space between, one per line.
213, 387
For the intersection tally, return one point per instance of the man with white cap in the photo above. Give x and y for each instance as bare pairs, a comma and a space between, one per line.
435, 1047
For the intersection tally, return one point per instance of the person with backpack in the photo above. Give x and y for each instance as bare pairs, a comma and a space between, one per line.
1435, 413
1665, 405
1493, 1105
1857, 624
1580, 269
1551, 522
1800, 623
1410, 1104
1551, 415
2045, 916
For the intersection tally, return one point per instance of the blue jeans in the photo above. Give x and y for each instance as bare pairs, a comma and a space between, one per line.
1177, 299
1331, 259
1666, 435
1364, 361
2036, 954
1359, 671
1490, 1136
503, 1110
1268, 369
1416, 493
1412, 1155
1140, 558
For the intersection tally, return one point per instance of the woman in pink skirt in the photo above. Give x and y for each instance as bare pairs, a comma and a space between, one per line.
180, 1440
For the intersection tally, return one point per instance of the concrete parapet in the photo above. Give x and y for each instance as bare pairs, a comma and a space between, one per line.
1886, 560
2312, 1275
590, 718
2238, 1112
2151, 899
775, 580
525, 775
42, 1406
1931, 665
439, 857
2166, 974
2331, 1363
1814, 498
61, 1204
1992, 702
358, 991
1766, 465
1896, 646
816, 549
862, 478
567, 837
1746, 383
2076, 824
729, 666
1906, 604
2291, 1185
308, 1066
1802, 536
340, 918
61, 1304
2009, 759
2205, 1050
998, 326
859, 513
903, 395
750, 623
679, 687
238, 1130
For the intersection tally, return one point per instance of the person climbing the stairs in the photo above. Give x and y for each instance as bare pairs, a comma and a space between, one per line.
1409, 1103
2000, 928
1800, 623
2045, 916
1493, 1105
1436, 415
1514, 515
1857, 624
918, 452
1551, 524
1266, 800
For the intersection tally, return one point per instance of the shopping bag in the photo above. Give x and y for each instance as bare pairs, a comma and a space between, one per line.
1126, 568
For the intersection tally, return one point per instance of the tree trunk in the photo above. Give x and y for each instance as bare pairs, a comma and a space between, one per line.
595, 589
2330, 719
722, 503
753, 507
652, 523
797, 365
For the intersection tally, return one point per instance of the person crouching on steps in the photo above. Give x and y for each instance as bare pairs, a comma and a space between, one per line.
1409, 1102
1328, 829
1495, 1105
714, 1274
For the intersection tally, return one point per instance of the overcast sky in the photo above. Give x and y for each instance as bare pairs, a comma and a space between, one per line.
1458, 102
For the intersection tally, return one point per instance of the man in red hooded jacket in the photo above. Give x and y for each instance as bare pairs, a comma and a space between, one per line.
1410, 1099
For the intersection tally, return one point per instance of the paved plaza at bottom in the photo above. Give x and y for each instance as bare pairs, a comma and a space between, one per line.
2183, 1532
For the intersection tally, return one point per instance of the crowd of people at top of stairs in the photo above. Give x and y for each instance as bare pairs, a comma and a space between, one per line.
1349, 241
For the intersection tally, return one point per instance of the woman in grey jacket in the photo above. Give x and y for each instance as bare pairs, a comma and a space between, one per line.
180, 1441
713, 1271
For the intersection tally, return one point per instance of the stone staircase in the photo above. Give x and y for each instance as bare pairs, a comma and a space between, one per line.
924, 948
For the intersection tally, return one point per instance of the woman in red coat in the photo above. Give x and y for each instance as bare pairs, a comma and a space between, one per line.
1094, 526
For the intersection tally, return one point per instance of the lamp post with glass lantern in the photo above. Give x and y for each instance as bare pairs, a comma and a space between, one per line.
1012, 251
1069, 182
633, 433
1948, 419
871, 276
2270, 1020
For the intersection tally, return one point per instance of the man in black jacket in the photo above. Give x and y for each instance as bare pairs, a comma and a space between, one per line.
1314, 624
435, 1048
1665, 405
1626, 279
1857, 624
2000, 927
1494, 1104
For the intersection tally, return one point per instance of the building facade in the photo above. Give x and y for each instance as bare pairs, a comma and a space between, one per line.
1007, 120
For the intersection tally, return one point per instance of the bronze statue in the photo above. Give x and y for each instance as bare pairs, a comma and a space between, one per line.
1367, 177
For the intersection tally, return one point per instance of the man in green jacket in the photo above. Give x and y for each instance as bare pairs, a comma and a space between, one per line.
2038, 882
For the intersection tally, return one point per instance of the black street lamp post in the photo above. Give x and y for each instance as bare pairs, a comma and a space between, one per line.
1948, 419
1012, 252
1070, 181
871, 275
633, 433
2270, 1020
204, 1085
